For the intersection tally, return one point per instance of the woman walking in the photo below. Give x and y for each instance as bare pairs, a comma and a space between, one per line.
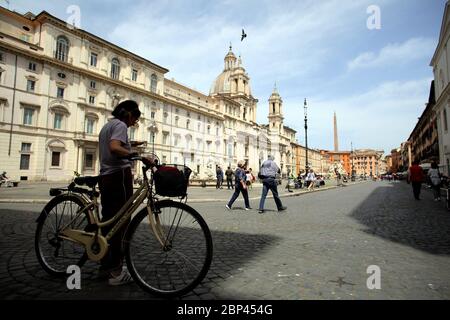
435, 178
240, 186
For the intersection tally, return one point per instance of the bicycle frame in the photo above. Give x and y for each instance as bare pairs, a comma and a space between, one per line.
97, 245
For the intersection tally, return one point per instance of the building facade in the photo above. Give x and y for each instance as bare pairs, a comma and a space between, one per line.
315, 160
424, 137
368, 162
395, 160
441, 71
59, 84
405, 156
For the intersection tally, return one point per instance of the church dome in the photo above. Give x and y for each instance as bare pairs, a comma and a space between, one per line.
222, 83
233, 70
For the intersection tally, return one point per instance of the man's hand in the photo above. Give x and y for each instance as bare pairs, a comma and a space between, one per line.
137, 143
149, 162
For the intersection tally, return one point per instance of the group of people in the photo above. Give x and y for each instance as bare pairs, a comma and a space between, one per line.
416, 177
244, 178
310, 180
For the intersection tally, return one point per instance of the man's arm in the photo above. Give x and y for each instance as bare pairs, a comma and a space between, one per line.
115, 146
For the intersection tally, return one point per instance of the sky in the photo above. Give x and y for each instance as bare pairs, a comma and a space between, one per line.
368, 61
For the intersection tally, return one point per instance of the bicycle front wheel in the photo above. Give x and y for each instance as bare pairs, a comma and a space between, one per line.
53, 252
179, 260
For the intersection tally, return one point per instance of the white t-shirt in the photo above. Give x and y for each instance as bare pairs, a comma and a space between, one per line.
434, 176
109, 162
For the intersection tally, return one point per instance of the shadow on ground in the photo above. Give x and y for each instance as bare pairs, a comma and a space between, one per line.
392, 213
21, 276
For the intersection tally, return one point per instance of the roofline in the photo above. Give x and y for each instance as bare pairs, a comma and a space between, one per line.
19, 15
441, 33
45, 14
428, 108
186, 87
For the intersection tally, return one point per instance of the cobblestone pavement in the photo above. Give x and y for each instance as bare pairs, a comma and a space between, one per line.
320, 248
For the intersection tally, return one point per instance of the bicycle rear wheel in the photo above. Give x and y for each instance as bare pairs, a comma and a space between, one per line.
54, 253
182, 263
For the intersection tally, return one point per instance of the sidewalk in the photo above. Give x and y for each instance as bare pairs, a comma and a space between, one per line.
38, 192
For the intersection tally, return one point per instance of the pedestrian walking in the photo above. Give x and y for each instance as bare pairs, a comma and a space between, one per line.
415, 177
338, 178
312, 180
267, 173
240, 186
229, 174
219, 176
435, 179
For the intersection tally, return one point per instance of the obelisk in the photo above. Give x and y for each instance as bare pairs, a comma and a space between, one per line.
336, 141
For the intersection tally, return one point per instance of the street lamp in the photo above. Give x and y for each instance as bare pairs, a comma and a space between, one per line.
305, 107
153, 129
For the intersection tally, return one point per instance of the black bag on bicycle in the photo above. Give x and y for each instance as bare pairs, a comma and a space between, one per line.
172, 180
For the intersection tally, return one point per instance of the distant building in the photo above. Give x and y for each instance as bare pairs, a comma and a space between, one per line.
405, 156
368, 162
388, 160
395, 160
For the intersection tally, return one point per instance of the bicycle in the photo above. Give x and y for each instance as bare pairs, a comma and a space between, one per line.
168, 245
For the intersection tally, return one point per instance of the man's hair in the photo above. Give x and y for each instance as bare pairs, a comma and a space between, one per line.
434, 165
125, 108
415, 162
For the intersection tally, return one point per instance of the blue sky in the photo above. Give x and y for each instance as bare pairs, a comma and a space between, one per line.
376, 80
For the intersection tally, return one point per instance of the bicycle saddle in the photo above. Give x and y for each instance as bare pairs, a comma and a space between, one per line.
88, 181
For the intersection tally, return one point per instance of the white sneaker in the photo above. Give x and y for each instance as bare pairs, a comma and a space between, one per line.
226, 206
123, 278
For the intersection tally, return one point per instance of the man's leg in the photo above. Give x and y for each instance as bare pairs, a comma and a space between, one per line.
416, 191
265, 190
274, 189
245, 195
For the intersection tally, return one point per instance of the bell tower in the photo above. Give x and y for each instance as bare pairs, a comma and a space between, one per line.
275, 111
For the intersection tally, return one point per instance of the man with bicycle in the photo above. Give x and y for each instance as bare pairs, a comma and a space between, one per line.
116, 182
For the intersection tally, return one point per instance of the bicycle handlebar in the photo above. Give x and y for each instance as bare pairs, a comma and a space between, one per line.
136, 157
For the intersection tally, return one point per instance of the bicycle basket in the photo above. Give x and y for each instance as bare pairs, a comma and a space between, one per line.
171, 180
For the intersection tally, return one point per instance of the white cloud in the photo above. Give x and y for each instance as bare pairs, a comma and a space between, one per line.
397, 53
285, 40
380, 118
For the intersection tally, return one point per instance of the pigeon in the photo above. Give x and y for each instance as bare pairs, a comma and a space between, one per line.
243, 35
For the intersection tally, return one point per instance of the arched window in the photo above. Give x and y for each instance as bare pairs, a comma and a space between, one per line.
115, 68
62, 48
153, 82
